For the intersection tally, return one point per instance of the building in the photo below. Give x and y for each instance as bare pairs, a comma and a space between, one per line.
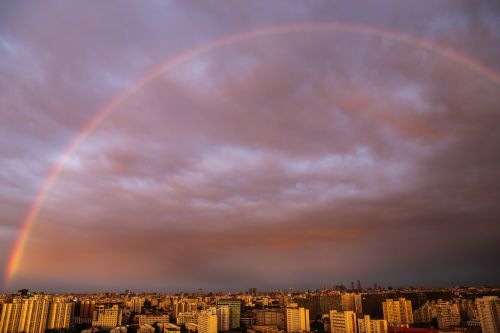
223, 316
152, 318
107, 317
185, 318
25, 314
83, 312
368, 325
207, 321
352, 302
169, 328
425, 313
60, 314
234, 311
185, 305
136, 304
448, 315
10, 316
297, 319
397, 312
270, 317
342, 322
488, 308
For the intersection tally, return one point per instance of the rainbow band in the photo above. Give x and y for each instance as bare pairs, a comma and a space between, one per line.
29, 220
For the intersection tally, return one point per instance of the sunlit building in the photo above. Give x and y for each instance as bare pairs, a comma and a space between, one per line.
297, 319
207, 321
223, 316
352, 302
270, 317
234, 311
448, 315
10, 316
397, 312
107, 317
488, 308
60, 314
368, 325
136, 304
342, 322
152, 318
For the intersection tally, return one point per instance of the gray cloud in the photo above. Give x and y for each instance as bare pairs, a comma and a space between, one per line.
296, 159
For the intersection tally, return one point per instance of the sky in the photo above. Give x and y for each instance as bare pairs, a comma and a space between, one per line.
294, 159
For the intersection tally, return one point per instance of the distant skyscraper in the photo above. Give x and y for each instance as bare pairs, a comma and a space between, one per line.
234, 311
488, 308
342, 322
297, 319
398, 312
358, 285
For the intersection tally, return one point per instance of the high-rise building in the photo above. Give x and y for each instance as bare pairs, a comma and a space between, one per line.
352, 302
10, 316
368, 325
223, 317
207, 321
397, 312
425, 313
448, 315
270, 317
60, 314
342, 322
297, 319
107, 316
84, 310
488, 308
25, 314
234, 311
136, 304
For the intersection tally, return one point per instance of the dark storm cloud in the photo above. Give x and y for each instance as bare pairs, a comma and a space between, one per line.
297, 159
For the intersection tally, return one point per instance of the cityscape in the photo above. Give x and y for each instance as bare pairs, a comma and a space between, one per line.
249, 166
337, 310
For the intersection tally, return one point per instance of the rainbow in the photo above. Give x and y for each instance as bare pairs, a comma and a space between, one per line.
113, 104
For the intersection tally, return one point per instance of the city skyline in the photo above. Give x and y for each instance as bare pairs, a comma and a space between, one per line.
191, 144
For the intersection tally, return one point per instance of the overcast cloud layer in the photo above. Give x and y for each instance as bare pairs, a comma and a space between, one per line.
299, 159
